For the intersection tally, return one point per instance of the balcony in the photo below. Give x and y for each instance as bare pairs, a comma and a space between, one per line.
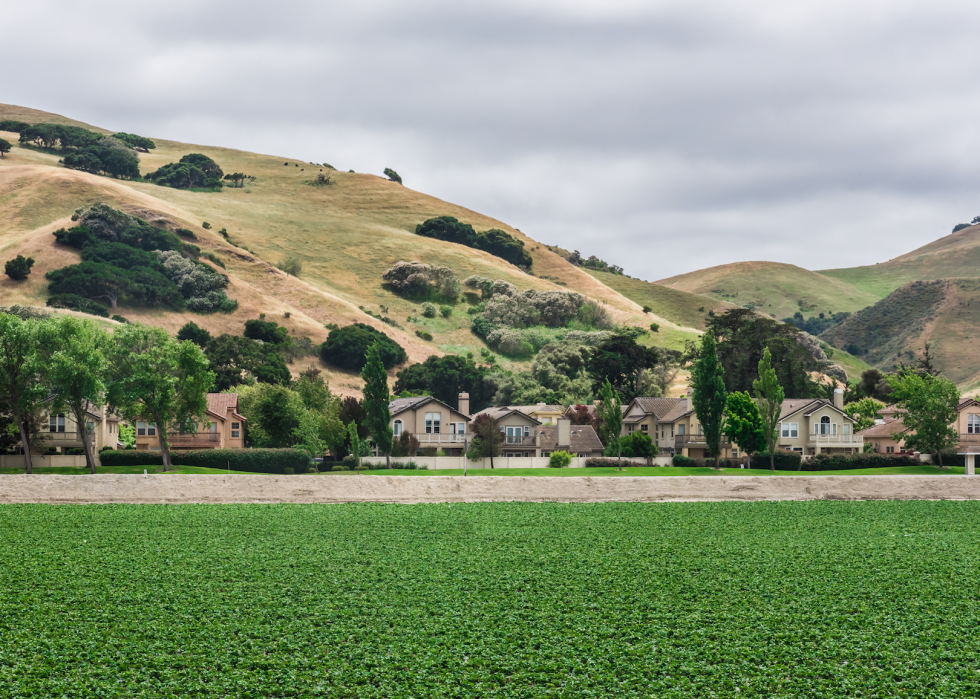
441, 438
61, 439
835, 440
190, 439
519, 440
695, 441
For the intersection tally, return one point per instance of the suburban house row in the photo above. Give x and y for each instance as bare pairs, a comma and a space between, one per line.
888, 436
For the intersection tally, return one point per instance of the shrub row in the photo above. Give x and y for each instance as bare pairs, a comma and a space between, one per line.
251, 460
601, 462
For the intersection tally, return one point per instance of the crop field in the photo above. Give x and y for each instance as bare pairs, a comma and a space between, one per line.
818, 599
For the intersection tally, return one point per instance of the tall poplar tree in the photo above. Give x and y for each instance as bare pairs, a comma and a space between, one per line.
770, 394
21, 374
612, 421
376, 400
709, 394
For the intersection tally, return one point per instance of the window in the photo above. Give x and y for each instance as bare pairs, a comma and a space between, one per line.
546, 453
680, 430
973, 424
432, 422
644, 429
90, 426
890, 450
396, 428
527, 430
847, 428
151, 429
56, 423
699, 429
824, 425
788, 430
527, 454
236, 430
140, 429
734, 453
671, 430
580, 455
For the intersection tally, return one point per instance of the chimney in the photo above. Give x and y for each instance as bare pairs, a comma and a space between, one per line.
690, 405
564, 434
839, 398
464, 404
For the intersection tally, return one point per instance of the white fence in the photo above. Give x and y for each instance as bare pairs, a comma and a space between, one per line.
37, 461
457, 462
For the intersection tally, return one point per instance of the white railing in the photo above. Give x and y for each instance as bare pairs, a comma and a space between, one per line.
519, 439
848, 439
441, 438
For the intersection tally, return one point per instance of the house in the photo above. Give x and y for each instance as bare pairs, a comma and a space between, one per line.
885, 436
672, 425
61, 431
542, 412
811, 426
434, 423
221, 427
526, 436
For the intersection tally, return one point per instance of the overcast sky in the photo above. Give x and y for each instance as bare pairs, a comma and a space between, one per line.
663, 136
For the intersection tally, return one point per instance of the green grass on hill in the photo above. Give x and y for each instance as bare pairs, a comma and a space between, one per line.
687, 310
774, 288
533, 600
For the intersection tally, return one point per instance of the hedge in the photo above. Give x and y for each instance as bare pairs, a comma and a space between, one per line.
599, 462
251, 460
835, 462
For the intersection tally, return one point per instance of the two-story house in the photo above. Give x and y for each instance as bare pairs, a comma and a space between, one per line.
887, 436
526, 436
221, 427
812, 426
434, 423
61, 432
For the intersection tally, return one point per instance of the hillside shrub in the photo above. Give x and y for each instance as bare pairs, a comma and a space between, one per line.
429, 310
347, 347
76, 237
424, 335
201, 286
291, 265
422, 281
250, 460
193, 171
74, 302
494, 241
13, 126
19, 267
445, 311
392, 175
107, 156
140, 143
559, 459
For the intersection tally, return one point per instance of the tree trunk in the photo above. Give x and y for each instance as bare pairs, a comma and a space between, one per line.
81, 425
21, 420
388, 459
639, 379
164, 444
772, 461
939, 458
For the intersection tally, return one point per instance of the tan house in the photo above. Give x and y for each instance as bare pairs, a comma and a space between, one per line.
886, 437
525, 436
434, 423
812, 426
221, 427
542, 412
673, 426
61, 431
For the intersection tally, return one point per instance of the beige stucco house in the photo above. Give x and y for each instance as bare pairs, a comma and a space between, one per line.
812, 426
525, 436
221, 427
886, 437
434, 423
61, 431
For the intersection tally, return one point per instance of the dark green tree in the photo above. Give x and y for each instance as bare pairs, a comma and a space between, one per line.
19, 267
621, 361
140, 143
392, 175
709, 395
266, 331
444, 378
376, 399
196, 334
347, 347
930, 405
611, 414
4, 147
638, 444
743, 424
487, 441
238, 179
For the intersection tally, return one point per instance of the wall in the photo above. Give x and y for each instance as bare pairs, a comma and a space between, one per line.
46, 461
499, 462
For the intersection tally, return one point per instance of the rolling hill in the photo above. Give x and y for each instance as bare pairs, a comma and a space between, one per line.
774, 288
346, 234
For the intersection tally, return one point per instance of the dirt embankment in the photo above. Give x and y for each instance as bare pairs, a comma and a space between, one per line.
176, 489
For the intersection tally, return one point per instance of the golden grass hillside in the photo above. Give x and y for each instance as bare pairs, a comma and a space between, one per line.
346, 235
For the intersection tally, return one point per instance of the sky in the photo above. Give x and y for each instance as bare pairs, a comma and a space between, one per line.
662, 136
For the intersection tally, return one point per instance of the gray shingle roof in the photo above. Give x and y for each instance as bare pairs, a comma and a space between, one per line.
400, 405
583, 438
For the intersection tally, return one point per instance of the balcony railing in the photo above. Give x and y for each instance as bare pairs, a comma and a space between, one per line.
441, 438
190, 438
518, 440
694, 440
62, 437
969, 438
845, 439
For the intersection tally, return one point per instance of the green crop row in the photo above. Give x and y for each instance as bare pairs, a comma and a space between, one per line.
820, 599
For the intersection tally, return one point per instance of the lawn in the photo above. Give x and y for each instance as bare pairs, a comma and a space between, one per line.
783, 599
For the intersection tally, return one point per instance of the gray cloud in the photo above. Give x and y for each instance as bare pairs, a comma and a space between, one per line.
661, 136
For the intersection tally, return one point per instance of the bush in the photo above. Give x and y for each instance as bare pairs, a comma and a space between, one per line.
120, 319
288, 471
784, 460
362, 467
654, 327
347, 347
602, 462
495, 241
137, 142
392, 175
406, 465
559, 459
446, 311
429, 310
74, 302
19, 267
681, 461
421, 281
201, 286
835, 462
108, 156
338, 467
647, 309
250, 460
193, 171
291, 265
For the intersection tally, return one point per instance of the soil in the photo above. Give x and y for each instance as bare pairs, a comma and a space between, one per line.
175, 489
